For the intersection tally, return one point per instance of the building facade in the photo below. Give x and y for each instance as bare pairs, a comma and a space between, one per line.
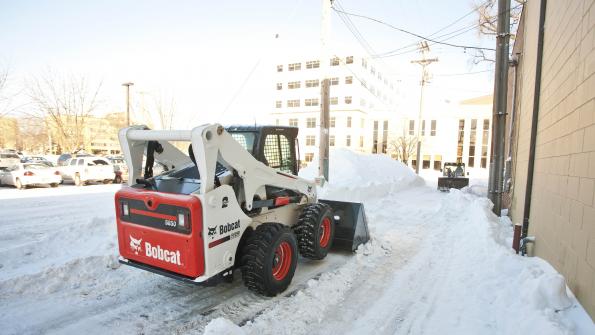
452, 132
558, 209
362, 103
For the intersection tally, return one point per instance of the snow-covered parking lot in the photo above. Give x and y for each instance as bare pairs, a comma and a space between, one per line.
438, 263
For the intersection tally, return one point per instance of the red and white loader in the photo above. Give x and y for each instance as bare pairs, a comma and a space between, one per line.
234, 201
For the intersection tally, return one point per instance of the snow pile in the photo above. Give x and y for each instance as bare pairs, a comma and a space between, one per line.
363, 175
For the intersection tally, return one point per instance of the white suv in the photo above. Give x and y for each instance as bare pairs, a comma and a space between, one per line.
82, 170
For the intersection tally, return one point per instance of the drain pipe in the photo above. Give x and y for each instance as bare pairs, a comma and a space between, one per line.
536, 98
514, 62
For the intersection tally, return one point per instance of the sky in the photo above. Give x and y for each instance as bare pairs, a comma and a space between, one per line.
215, 59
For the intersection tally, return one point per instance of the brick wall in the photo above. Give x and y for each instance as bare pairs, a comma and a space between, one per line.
563, 203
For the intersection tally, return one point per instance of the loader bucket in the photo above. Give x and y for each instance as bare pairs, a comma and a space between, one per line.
351, 225
446, 183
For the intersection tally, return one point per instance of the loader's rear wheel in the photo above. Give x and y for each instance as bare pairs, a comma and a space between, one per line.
315, 231
269, 259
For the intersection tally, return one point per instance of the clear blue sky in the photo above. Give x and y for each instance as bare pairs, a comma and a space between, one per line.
200, 52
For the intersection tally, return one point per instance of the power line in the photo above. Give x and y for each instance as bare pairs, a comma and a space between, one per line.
461, 74
414, 34
441, 29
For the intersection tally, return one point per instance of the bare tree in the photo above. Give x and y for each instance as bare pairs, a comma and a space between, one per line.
165, 108
5, 97
487, 21
402, 147
64, 103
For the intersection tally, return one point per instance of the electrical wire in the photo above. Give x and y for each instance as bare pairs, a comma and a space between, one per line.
414, 34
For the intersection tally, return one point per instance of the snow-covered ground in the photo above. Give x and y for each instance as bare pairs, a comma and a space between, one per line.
438, 263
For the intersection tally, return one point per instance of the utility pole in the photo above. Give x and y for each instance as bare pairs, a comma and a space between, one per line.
128, 84
425, 78
499, 109
323, 149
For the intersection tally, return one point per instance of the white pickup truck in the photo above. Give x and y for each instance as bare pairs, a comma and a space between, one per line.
82, 170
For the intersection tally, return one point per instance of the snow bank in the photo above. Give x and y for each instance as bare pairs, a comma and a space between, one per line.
356, 176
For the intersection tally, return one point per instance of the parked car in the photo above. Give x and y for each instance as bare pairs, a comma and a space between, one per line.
65, 158
120, 169
82, 170
8, 159
37, 159
22, 175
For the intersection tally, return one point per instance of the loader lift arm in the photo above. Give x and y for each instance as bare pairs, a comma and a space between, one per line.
211, 144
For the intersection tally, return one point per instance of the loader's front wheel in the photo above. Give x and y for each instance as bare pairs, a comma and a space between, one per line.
315, 231
269, 259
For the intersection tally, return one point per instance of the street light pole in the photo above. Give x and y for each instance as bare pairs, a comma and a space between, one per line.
128, 84
424, 62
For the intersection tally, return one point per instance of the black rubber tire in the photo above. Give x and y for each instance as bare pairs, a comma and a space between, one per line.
54, 185
258, 255
308, 230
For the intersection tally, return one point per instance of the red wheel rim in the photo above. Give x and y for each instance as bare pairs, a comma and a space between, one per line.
325, 232
282, 260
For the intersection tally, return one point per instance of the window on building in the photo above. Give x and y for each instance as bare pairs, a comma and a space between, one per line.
331, 140
348, 100
293, 122
349, 80
348, 141
293, 103
411, 127
311, 102
334, 81
361, 141
334, 100
437, 162
433, 128
333, 121
484, 143
379, 76
375, 138
362, 123
414, 164
311, 122
310, 140
460, 141
312, 83
384, 136
423, 127
279, 68
293, 85
349, 60
313, 64
308, 157
362, 102
278, 104
426, 162
335, 61
372, 70
472, 140
364, 63
349, 122
279, 86
294, 66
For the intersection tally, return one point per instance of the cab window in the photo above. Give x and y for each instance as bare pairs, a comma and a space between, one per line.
277, 152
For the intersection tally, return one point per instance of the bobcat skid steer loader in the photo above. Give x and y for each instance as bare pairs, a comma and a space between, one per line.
233, 202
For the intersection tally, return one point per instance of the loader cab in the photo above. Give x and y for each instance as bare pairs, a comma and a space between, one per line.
275, 146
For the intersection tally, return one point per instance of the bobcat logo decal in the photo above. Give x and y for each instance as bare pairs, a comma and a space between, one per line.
212, 231
135, 244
